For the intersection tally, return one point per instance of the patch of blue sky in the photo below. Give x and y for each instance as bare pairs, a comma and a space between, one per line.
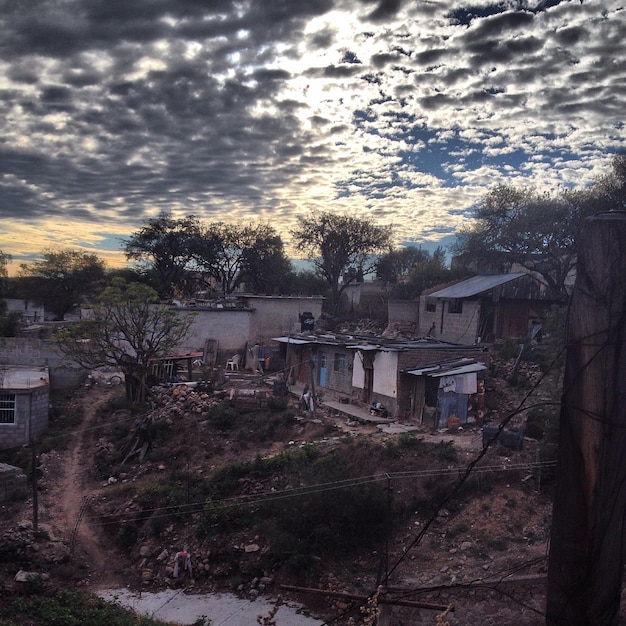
465, 15
105, 241
436, 150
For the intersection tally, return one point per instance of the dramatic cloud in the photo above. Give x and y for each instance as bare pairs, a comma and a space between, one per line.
404, 112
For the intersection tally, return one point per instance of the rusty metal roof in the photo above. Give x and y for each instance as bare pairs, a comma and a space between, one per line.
475, 285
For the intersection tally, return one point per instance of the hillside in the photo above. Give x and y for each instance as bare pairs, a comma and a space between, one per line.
262, 497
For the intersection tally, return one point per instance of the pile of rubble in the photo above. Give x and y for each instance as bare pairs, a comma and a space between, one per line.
178, 400
184, 399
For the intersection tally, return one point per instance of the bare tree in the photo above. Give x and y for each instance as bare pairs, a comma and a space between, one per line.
128, 329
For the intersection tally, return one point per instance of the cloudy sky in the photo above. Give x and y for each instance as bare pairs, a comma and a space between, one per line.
404, 112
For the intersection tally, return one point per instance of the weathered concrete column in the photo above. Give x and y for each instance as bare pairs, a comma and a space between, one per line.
587, 546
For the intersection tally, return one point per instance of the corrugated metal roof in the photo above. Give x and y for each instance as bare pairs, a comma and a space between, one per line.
293, 340
474, 286
437, 372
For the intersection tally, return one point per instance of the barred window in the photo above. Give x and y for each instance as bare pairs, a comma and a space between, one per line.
340, 362
431, 305
7, 408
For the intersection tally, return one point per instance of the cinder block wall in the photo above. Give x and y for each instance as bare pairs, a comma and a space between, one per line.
13, 483
403, 311
39, 353
31, 411
457, 327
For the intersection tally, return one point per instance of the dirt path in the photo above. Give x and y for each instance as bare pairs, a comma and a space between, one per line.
66, 511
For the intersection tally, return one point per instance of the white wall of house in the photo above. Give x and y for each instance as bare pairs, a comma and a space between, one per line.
358, 373
386, 374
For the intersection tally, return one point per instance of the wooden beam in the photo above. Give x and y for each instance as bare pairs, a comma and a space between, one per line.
587, 545
382, 599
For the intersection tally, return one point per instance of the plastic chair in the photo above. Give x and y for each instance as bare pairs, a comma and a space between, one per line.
233, 363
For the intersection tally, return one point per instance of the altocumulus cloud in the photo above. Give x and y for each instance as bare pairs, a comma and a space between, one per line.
405, 112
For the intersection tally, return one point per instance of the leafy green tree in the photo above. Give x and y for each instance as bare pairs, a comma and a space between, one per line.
305, 283
5, 260
166, 247
609, 191
538, 231
127, 330
60, 279
266, 266
10, 321
340, 246
234, 253
397, 264
428, 272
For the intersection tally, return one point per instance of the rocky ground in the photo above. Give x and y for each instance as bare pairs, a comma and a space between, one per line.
483, 551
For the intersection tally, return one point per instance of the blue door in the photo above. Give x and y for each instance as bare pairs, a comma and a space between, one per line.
322, 370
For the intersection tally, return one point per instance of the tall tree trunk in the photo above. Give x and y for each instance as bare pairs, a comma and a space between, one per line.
587, 543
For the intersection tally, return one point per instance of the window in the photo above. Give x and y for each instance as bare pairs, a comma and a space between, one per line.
7, 408
340, 362
431, 305
455, 306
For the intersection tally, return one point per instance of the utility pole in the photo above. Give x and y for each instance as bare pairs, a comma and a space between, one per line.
587, 545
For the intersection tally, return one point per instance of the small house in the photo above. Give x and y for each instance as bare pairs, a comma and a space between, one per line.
24, 402
373, 370
446, 393
323, 361
384, 372
484, 308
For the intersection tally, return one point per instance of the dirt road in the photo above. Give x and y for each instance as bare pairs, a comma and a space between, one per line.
65, 511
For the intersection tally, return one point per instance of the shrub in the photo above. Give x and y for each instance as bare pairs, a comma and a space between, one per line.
128, 534
445, 451
219, 516
222, 417
70, 608
459, 528
407, 440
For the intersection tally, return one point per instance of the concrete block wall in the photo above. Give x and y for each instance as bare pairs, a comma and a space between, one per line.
456, 327
31, 411
403, 311
39, 353
40, 410
230, 327
276, 316
13, 483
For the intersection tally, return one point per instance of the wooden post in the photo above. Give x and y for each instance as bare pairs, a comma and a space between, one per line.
33, 449
313, 394
587, 546
34, 463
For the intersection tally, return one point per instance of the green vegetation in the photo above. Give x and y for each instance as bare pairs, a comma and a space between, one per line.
60, 279
445, 451
342, 249
68, 608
